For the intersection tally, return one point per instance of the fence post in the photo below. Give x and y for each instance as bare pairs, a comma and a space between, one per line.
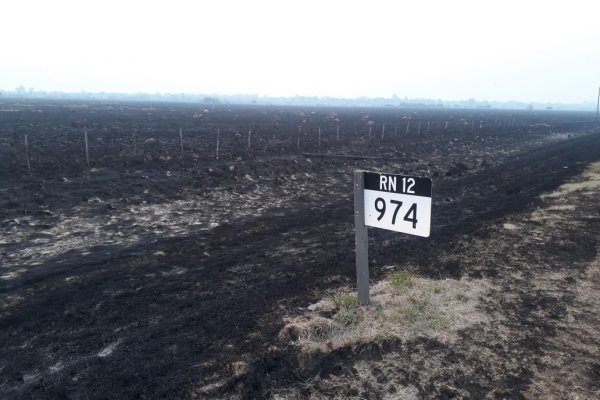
181, 141
87, 153
319, 143
27, 155
134, 142
218, 133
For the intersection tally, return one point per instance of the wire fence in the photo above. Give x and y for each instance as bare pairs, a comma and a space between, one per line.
38, 145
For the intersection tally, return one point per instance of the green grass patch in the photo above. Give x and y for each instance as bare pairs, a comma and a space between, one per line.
421, 315
401, 279
346, 309
438, 288
345, 301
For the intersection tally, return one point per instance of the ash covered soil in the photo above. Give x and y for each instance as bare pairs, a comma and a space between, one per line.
160, 271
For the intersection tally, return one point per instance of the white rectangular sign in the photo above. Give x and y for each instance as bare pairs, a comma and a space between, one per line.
398, 203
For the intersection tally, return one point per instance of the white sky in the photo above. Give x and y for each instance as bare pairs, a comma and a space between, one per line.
455, 49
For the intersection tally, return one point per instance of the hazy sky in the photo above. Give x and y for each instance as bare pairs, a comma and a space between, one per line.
454, 49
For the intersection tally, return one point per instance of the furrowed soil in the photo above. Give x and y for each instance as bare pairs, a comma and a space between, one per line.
169, 269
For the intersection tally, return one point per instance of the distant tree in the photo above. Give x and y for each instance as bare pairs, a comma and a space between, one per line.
210, 100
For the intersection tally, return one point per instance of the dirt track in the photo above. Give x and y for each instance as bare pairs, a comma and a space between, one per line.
164, 278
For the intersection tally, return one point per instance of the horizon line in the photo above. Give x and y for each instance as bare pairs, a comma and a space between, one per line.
25, 92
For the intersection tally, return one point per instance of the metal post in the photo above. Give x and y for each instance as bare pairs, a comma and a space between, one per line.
249, 138
361, 238
382, 132
337, 134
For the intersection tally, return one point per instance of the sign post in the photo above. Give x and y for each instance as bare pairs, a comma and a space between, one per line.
387, 201
361, 239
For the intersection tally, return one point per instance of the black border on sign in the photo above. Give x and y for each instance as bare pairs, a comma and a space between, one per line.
422, 186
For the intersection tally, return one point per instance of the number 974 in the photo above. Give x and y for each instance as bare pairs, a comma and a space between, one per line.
410, 216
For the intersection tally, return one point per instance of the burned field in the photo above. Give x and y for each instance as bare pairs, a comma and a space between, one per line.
161, 267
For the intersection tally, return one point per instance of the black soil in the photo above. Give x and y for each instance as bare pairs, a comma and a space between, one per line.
175, 315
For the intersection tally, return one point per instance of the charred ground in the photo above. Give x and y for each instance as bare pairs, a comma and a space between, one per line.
157, 273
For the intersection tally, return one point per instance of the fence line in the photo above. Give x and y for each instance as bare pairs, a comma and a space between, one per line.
230, 147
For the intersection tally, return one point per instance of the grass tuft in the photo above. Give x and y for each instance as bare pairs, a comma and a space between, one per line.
345, 301
403, 279
346, 309
421, 315
461, 297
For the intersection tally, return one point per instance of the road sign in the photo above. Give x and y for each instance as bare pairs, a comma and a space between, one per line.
398, 203
395, 202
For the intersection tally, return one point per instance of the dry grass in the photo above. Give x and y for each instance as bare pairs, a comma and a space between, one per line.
402, 306
405, 306
591, 180
564, 373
